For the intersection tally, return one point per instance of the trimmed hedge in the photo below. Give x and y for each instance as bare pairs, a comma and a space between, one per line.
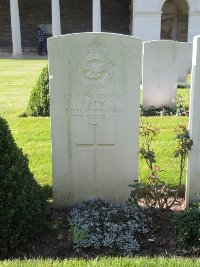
187, 224
22, 205
38, 104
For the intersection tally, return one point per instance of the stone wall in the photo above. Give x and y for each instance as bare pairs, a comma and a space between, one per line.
5, 28
33, 13
116, 16
76, 16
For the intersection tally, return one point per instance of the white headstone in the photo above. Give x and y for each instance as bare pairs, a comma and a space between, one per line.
160, 70
190, 58
94, 92
193, 170
184, 60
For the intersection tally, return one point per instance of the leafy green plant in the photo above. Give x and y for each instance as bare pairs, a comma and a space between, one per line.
157, 193
187, 224
22, 205
184, 144
182, 107
184, 84
162, 111
148, 132
77, 235
38, 104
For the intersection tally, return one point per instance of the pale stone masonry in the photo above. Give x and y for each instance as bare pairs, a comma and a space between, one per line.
16, 32
193, 169
57, 17
94, 99
96, 16
145, 19
56, 26
184, 61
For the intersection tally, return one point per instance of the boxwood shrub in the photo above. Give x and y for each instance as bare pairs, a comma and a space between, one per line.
22, 205
38, 104
187, 224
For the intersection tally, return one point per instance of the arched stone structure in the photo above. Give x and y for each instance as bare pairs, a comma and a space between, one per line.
174, 20
140, 17
31, 17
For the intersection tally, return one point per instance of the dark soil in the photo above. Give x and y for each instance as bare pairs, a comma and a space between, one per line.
55, 242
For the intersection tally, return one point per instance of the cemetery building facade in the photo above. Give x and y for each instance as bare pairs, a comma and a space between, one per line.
147, 19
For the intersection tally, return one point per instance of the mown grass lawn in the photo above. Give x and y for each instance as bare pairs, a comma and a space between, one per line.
164, 147
107, 262
17, 77
33, 134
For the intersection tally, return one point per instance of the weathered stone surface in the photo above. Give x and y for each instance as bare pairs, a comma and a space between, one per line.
94, 91
184, 59
160, 72
193, 169
189, 69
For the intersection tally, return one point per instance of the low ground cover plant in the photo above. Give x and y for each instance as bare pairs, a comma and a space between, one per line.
186, 83
116, 228
187, 224
22, 205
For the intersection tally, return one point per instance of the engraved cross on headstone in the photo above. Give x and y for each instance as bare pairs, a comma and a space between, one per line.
160, 71
161, 52
95, 145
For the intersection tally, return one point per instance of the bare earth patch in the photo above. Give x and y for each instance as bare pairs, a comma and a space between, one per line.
55, 242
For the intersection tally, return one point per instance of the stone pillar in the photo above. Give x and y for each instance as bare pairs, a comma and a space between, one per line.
131, 20
193, 24
56, 26
193, 168
96, 16
15, 26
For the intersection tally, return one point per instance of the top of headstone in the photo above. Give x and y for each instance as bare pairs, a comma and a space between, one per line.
92, 34
161, 41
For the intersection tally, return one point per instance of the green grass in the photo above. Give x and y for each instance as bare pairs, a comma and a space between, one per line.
17, 79
33, 134
164, 147
107, 262
185, 93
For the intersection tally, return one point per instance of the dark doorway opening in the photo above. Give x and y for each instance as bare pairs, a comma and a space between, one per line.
174, 20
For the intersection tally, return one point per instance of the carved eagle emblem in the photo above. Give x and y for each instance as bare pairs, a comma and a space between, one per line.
95, 69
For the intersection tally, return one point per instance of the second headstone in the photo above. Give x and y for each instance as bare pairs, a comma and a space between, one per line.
160, 72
